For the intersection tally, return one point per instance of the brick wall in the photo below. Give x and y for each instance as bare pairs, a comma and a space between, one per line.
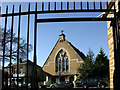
111, 46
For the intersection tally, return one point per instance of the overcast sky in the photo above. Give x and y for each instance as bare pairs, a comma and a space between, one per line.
83, 35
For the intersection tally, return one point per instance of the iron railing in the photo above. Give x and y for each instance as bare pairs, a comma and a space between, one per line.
107, 10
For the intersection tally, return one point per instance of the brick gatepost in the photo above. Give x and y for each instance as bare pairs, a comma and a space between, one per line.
111, 46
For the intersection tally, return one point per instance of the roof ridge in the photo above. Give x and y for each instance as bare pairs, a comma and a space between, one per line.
50, 53
78, 51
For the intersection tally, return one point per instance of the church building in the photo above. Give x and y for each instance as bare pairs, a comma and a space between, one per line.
63, 62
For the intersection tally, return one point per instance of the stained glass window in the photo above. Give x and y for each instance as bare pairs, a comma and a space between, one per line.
60, 65
63, 65
56, 65
62, 61
67, 65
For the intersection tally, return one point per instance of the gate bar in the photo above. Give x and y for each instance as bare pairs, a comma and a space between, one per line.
49, 6
94, 5
11, 44
4, 47
81, 5
100, 5
35, 43
74, 5
61, 6
67, 5
18, 45
57, 11
72, 19
55, 6
87, 5
28, 41
35, 35
42, 7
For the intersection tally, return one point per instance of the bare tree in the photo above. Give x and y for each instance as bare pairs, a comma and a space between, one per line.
22, 46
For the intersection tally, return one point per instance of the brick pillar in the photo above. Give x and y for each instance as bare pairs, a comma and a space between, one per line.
111, 53
111, 47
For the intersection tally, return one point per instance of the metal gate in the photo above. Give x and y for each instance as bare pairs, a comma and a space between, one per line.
107, 10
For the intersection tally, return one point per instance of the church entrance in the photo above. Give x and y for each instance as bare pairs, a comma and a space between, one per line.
62, 79
71, 79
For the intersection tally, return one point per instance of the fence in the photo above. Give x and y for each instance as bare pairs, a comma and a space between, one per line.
108, 9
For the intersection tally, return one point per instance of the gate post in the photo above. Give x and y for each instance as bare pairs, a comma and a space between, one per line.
116, 75
114, 50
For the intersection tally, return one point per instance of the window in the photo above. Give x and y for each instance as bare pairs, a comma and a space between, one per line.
62, 61
58, 56
63, 65
65, 55
67, 65
62, 52
56, 65
60, 65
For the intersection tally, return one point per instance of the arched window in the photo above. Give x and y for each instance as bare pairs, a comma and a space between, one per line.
60, 65
65, 55
63, 67
58, 56
67, 65
62, 61
62, 52
56, 65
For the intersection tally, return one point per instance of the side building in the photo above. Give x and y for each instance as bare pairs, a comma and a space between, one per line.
23, 72
63, 62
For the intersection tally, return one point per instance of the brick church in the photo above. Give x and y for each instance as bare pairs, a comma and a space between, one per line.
63, 62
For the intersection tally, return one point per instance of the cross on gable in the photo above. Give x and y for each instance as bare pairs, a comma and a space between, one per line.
62, 31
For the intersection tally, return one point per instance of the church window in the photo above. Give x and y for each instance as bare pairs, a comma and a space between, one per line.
60, 65
56, 65
61, 52
62, 61
63, 65
58, 56
67, 65
65, 55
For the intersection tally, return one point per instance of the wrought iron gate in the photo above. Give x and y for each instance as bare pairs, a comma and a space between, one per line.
107, 10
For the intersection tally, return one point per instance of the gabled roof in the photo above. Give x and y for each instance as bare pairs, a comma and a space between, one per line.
51, 52
29, 61
23, 62
78, 52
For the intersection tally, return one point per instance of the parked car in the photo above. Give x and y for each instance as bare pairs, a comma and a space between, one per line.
13, 85
25, 85
61, 85
92, 82
41, 85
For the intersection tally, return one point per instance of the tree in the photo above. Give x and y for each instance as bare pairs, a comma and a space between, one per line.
22, 46
101, 66
85, 70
